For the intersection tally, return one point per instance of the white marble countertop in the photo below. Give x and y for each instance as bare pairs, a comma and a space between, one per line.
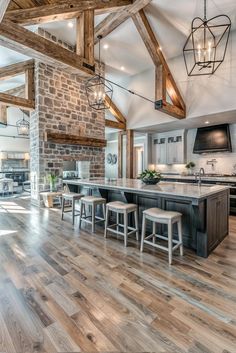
187, 190
225, 179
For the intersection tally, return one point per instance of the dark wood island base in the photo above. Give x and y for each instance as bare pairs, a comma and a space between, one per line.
205, 209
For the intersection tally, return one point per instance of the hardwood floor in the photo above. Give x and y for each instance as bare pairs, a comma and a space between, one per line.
62, 290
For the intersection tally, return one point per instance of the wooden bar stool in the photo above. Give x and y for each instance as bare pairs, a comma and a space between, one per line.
72, 197
156, 215
125, 209
92, 202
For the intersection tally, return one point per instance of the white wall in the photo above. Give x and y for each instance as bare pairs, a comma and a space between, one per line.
111, 170
225, 160
203, 95
10, 143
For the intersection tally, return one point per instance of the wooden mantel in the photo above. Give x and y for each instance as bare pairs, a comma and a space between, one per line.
67, 139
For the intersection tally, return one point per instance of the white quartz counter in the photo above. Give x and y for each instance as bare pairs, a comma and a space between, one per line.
187, 190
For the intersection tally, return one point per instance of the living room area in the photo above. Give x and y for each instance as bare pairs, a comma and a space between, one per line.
14, 153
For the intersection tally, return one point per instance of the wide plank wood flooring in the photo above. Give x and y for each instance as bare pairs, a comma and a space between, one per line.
62, 290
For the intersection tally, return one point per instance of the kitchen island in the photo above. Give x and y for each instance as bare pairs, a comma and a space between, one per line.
205, 208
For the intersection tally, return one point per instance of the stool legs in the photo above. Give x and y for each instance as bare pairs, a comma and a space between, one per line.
125, 228
104, 210
117, 222
93, 218
62, 208
106, 222
73, 212
170, 242
136, 224
82, 209
143, 232
180, 233
154, 232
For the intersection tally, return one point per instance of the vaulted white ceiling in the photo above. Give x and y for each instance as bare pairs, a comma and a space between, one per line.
125, 54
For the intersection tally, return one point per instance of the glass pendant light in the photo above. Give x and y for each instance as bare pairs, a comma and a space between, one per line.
23, 127
206, 45
99, 91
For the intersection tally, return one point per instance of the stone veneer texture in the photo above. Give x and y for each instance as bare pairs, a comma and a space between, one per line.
61, 106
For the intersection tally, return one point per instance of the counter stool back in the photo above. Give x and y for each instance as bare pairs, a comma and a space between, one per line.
157, 215
124, 209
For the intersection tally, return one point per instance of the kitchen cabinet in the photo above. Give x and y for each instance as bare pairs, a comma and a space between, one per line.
15, 155
159, 151
169, 148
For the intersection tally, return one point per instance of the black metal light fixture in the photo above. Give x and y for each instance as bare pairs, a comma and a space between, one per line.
23, 127
206, 45
98, 90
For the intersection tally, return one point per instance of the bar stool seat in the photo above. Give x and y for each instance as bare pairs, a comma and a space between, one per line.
72, 197
92, 202
157, 215
125, 209
161, 214
93, 199
121, 206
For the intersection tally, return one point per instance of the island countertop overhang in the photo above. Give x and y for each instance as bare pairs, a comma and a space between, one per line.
186, 190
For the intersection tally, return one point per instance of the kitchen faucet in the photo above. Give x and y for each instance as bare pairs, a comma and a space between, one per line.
199, 175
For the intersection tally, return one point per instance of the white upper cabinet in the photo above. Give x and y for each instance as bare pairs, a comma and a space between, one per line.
168, 147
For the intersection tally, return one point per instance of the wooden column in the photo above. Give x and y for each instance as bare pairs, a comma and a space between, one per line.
129, 154
120, 154
3, 114
85, 36
29, 84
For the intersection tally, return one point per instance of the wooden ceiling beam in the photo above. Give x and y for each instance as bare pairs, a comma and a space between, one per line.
114, 20
12, 70
3, 7
172, 110
18, 91
115, 110
115, 124
28, 43
19, 102
141, 22
61, 9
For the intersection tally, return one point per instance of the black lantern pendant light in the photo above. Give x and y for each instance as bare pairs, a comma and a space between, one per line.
98, 90
23, 127
206, 45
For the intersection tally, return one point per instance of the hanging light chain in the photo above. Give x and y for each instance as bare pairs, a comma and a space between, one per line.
205, 10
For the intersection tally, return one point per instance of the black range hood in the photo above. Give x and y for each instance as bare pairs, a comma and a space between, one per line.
212, 139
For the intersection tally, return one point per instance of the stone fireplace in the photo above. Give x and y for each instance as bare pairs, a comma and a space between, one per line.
61, 106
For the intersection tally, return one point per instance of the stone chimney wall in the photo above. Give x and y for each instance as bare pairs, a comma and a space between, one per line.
61, 106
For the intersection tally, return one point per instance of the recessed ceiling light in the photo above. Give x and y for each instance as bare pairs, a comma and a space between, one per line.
122, 68
70, 24
105, 46
206, 122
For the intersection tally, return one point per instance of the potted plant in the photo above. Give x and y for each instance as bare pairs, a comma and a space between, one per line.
189, 166
150, 177
52, 181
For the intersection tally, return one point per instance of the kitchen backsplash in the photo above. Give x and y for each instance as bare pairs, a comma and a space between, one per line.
219, 163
